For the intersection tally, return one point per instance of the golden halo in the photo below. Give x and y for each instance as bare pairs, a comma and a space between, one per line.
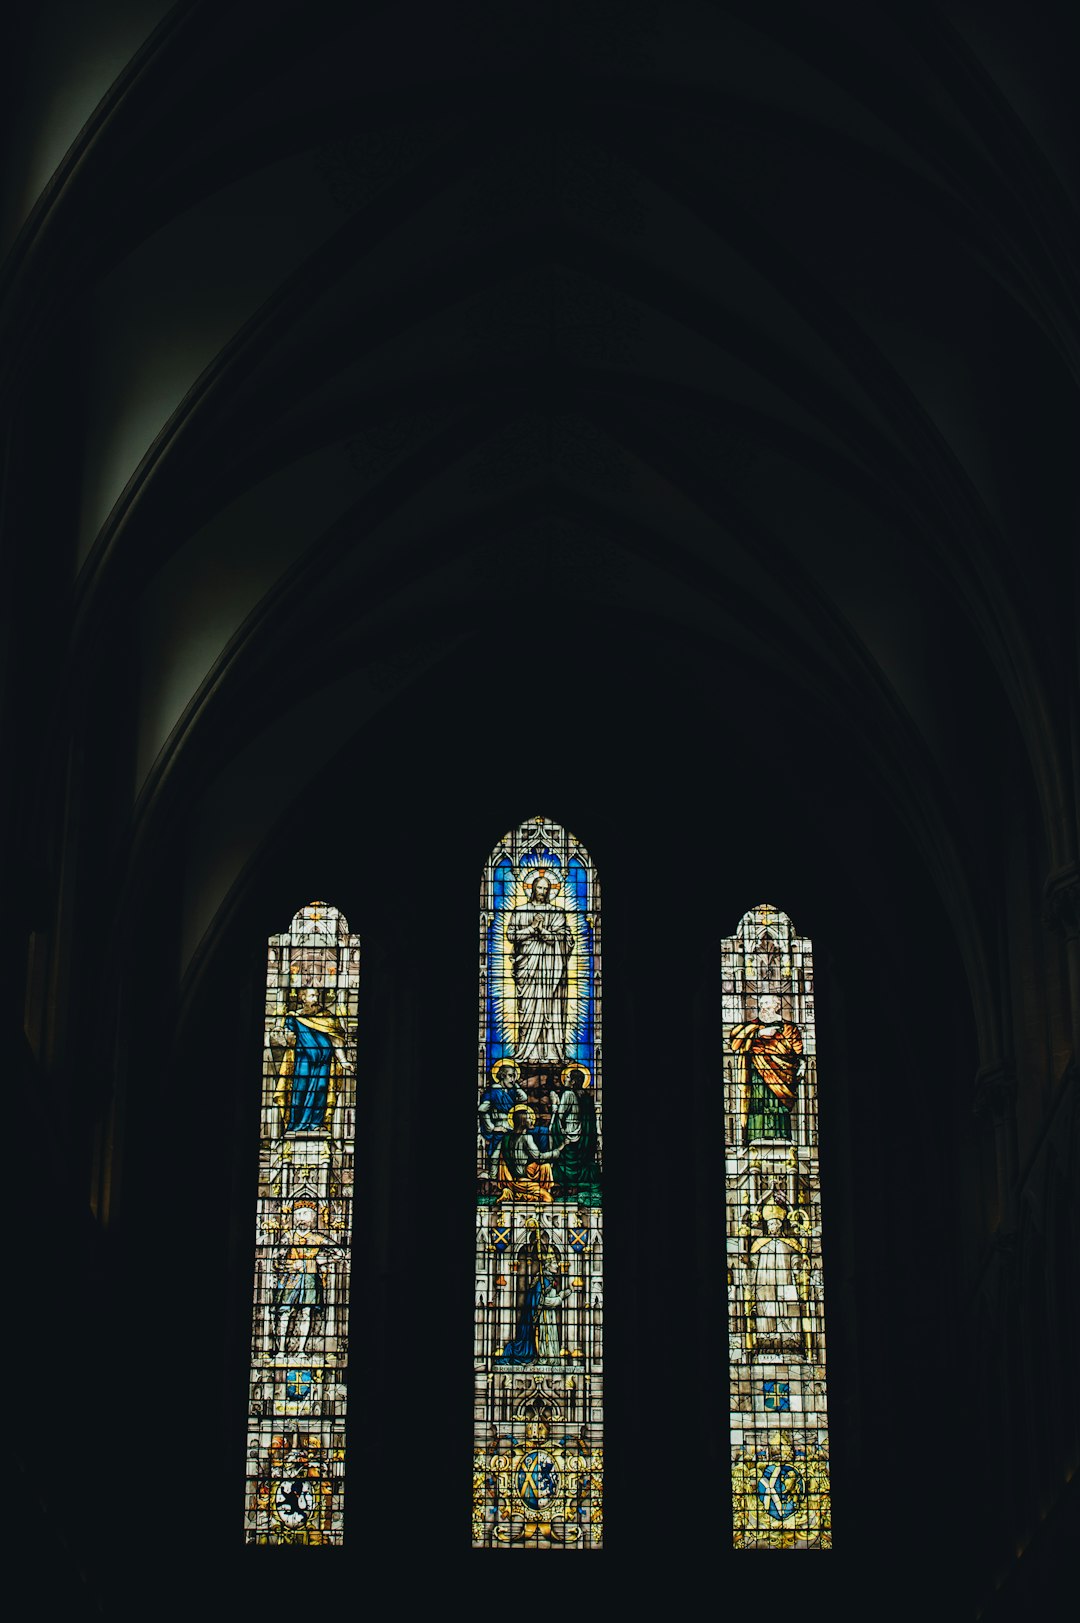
576, 1065
541, 871
498, 1066
529, 1112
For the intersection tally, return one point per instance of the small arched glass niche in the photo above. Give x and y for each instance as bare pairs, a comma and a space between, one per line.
300, 1323
776, 1316
539, 1293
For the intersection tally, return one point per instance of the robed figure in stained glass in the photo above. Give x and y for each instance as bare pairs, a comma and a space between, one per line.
313, 1065
772, 1055
780, 1275
540, 1296
497, 1101
524, 1168
573, 1134
542, 941
299, 1297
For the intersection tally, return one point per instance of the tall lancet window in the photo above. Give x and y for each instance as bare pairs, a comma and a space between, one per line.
776, 1323
300, 1327
538, 1460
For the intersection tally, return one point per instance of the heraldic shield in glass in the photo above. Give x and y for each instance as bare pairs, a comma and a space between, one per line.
300, 1326
538, 1461
779, 1423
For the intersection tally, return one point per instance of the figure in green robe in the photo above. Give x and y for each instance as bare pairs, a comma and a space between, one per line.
772, 1058
573, 1134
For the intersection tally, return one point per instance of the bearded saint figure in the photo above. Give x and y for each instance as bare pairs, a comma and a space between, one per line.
772, 1056
542, 941
313, 1065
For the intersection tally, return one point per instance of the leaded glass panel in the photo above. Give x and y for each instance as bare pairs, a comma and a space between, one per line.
300, 1325
539, 1254
779, 1422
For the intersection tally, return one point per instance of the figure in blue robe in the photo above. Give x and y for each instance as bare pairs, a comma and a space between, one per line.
538, 1335
537, 1340
496, 1103
313, 1066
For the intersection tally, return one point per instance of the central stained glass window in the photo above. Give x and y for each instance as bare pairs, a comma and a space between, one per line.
538, 1438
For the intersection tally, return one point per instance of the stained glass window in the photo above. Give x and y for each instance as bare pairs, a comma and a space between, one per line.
776, 1322
300, 1326
538, 1437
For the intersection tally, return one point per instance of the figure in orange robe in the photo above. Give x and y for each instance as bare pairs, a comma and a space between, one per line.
772, 1060
524, 1168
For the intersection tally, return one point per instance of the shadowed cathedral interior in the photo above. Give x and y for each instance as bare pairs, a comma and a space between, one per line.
657, 417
